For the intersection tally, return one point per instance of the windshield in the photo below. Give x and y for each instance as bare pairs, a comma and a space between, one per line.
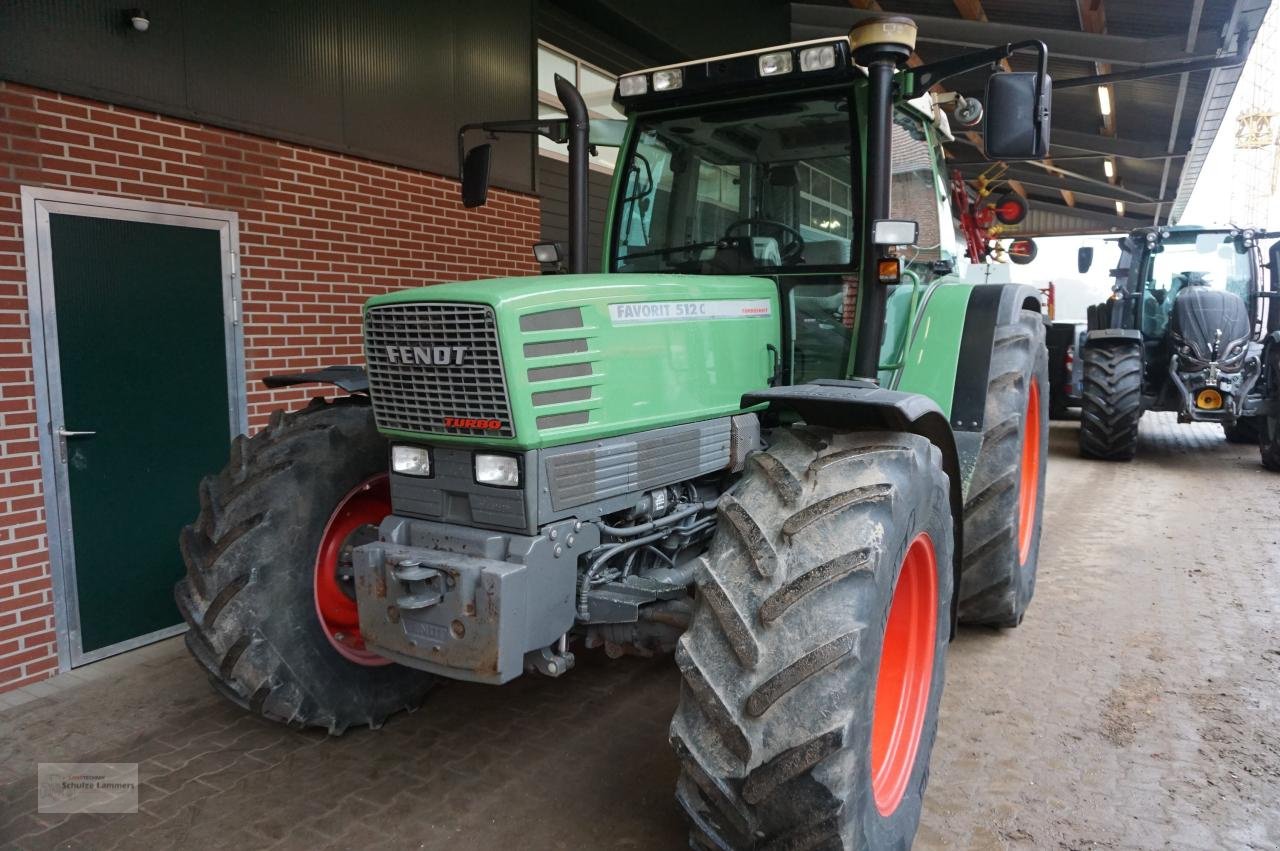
746, 188
1205, 259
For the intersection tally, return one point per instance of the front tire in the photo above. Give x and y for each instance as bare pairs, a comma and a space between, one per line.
1269, 443
250, 596
820, 631
1005, 502
1246, 430
1112, 402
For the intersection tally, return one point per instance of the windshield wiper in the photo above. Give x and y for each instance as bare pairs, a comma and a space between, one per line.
698, 246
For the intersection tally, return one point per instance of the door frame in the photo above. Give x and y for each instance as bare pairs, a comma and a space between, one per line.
37, 205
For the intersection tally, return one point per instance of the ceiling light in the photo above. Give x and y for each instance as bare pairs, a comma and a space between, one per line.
1104, 100
1119, 208
1109, 169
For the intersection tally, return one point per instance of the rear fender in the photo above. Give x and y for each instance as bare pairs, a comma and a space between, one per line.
949, 356
862, 406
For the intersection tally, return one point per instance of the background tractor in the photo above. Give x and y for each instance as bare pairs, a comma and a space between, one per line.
774, 435
1187, 329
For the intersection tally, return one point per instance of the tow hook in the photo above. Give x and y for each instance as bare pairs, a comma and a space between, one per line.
424, 586
550, 661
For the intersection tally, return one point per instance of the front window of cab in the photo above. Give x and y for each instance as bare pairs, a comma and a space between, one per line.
746, 188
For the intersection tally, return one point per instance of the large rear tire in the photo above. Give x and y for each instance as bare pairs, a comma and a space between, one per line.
250, 596
1005, 501
1112, 401
814, 664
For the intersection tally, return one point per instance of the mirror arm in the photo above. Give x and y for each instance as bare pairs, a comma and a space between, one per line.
556, 130
926, 77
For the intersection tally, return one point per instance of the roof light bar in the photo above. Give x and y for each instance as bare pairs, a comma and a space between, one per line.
818, 58
775, 63
668, 80
636, 84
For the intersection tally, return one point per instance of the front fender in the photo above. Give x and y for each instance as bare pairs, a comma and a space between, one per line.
862, 406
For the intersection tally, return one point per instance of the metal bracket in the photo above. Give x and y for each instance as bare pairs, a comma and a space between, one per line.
424, 586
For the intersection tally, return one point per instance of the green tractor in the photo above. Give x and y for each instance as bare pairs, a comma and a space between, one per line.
1190, 329
773, 435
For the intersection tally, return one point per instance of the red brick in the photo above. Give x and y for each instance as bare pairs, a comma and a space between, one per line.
319, 232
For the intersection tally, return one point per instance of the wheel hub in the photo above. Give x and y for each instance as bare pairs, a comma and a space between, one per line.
905, 678
350, 525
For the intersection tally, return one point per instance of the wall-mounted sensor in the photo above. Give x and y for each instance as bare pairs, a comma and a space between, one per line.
138, 19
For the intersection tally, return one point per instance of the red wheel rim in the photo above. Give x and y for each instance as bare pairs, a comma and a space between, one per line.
905, 676
1011, 212
366, 504
1029, 488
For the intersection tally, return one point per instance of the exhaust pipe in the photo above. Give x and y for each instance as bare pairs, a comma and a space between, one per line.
579, 150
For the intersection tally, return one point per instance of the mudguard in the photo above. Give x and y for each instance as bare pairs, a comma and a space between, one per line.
352, 379
1110, 336
862, 405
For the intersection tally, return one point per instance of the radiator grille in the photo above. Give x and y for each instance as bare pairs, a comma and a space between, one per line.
412, 391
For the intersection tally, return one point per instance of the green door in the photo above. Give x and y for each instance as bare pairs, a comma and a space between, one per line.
141, 338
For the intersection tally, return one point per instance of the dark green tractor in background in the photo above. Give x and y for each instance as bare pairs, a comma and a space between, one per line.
1189, 329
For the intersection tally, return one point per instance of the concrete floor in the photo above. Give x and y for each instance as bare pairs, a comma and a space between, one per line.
1137, 707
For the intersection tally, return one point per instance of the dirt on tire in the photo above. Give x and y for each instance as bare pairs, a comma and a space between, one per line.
1111, 402
780, 664
248, 594
996, 581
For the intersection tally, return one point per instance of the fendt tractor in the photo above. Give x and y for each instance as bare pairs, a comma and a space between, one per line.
1188, 328
772, 434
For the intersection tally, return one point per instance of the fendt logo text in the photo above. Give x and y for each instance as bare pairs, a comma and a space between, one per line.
427, 355
466, 422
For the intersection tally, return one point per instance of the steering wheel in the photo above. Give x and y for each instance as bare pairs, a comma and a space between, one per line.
790, 251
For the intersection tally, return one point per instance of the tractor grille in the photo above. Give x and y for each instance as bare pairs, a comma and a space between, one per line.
415, 377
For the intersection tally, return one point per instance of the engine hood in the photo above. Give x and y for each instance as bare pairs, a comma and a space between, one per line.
579, 357
1213, 324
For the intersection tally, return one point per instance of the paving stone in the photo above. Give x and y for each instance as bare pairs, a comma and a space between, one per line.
1134, 708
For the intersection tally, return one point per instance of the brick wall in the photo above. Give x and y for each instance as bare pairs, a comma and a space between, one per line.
319, 234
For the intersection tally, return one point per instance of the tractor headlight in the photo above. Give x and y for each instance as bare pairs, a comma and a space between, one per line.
669, 80
411, 460
501, 471
818, 58
772, 64
636, 84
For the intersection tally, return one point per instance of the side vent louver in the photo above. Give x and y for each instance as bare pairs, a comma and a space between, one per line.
563, 385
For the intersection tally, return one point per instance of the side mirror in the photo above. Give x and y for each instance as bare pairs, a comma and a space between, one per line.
1084, 259
475, 176
1016, 126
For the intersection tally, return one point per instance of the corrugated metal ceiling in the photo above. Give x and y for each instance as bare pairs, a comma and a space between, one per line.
1153, 186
